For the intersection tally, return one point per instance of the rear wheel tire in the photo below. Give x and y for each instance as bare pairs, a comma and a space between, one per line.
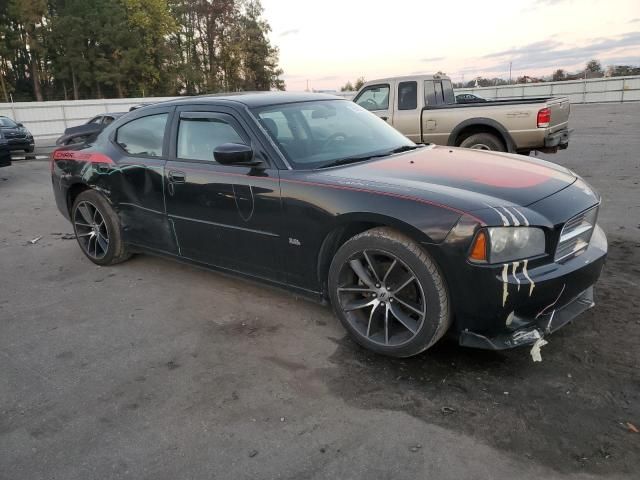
97, 229
388, 293
483, 141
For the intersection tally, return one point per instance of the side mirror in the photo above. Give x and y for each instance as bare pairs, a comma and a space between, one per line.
235, 154
20, 125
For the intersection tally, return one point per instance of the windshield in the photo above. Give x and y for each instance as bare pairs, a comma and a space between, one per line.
7, 122
320, 133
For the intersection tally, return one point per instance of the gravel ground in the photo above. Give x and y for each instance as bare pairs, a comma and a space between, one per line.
154, 369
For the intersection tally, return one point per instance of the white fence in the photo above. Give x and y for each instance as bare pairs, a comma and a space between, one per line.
49, 119
596, 90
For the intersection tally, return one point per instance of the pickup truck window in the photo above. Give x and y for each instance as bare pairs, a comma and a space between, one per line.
374, 97
429, 93
407, 95
439, 96
447, 92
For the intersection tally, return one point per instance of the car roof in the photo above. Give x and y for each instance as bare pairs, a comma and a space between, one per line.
252, 99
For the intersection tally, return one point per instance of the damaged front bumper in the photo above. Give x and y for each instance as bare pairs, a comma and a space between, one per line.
528, 331
537, 304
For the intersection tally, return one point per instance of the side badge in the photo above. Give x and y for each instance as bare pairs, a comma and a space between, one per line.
294, 241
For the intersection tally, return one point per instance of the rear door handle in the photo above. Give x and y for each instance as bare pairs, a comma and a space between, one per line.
176, 176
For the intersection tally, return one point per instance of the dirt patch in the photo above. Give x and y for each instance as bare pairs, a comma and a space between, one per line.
569, 412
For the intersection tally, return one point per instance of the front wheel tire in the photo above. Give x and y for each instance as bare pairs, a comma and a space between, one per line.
97, 229
388, 293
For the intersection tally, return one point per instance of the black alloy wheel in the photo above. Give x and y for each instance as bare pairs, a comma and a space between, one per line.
91, 230
381, 297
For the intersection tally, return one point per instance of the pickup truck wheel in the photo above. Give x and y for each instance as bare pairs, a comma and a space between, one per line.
97, 229
388, 293
483, 141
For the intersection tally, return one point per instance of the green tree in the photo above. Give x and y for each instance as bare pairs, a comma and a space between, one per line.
30, 25
593, 66
559, 75
93, 48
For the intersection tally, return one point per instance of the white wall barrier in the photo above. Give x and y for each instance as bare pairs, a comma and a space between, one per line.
596, 90
49, 119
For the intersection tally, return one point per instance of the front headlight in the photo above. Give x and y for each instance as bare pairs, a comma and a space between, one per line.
508, 244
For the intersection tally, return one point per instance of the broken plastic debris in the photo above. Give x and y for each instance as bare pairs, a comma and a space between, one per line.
447, 410
535, 350
35, 240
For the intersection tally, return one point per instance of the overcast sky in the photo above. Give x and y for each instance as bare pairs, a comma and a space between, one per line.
328, 42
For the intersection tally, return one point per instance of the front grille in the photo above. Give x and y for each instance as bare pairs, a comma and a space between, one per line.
576, 234
20, 136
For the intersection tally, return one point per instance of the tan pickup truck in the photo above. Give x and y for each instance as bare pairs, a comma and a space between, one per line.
424, 109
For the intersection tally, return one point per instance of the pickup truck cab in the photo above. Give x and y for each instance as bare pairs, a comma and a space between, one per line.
424, 109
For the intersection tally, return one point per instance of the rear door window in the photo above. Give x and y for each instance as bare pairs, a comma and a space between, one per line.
374, 97
407, 95
143, 136
439, 96
429, 93
447, 92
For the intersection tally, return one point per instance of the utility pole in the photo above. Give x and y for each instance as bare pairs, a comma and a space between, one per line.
510, 73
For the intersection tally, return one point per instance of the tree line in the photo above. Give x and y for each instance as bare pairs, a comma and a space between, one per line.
75, 49
592, 69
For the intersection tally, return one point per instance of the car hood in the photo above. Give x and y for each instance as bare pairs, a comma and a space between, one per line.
464, 178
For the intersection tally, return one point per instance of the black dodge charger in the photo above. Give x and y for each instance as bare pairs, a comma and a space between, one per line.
312, 192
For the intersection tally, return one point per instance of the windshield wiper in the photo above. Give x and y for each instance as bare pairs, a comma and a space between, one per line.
354, 159
405, 148
361, 158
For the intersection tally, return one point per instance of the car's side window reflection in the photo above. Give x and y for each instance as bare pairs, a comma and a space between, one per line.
198, 137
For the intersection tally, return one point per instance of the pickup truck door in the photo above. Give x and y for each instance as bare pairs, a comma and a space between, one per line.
437, 94
378, 99
223, 215
406, 117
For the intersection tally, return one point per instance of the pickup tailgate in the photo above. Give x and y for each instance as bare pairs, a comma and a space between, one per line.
560, 110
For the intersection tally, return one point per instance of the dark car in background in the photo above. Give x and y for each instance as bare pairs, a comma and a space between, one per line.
469, 98
88, 130
15, 136
316, 194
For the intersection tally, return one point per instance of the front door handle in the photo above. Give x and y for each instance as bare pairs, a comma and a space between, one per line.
176, 176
